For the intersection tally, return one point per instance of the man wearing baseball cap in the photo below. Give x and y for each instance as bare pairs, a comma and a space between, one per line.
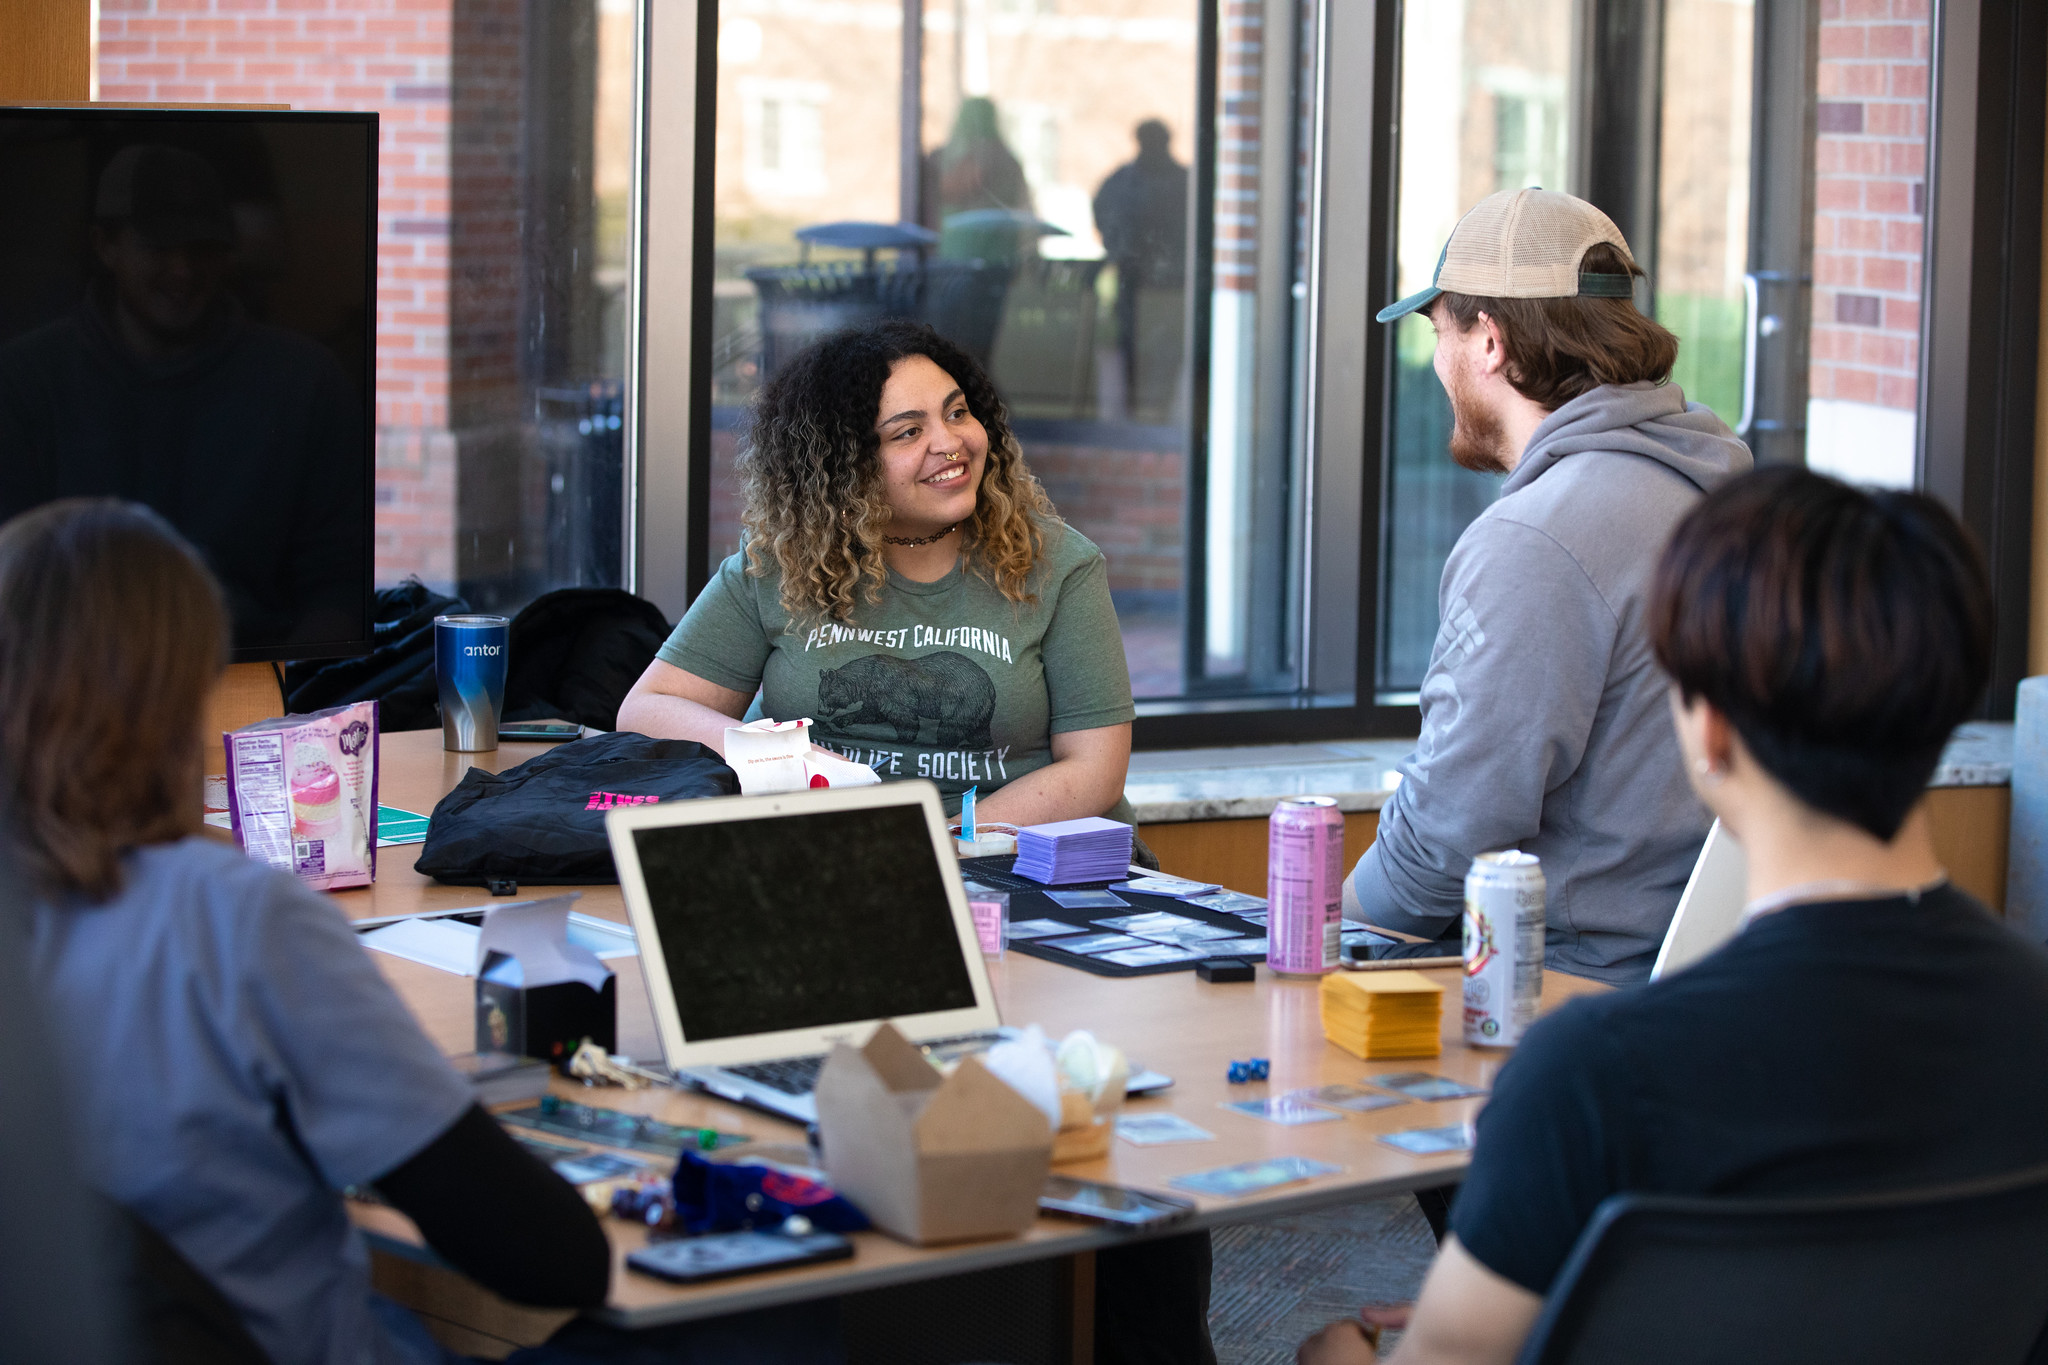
1544, 717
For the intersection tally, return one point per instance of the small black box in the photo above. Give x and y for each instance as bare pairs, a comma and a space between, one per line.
547, 1022
1225, 969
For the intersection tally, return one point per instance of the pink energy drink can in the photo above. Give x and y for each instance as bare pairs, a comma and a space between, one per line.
1503, 947
1304, 886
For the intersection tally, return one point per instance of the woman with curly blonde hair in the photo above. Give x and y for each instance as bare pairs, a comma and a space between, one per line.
907, 585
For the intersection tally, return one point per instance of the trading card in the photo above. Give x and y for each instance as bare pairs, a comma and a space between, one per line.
1088, 945
1165, 886
1039, 928
586, 1167
1420, 1085
1088, 900
1192, 933
1151, 955
1231, 947
1142, 924
1351, 936
1230, 902
1352, 925
1246, 1177
1257, 917
1431, 1141
1152, 1130
1286, 1110
1348, 1097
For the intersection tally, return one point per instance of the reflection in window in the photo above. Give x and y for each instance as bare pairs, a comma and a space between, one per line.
786, 137
1484, 87
1703, 196
1041, 222
503, 170
1528, 128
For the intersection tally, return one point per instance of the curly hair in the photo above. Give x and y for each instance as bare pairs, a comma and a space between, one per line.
811, 474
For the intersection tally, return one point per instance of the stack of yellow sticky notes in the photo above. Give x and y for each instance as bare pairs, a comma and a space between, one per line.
1383, 1014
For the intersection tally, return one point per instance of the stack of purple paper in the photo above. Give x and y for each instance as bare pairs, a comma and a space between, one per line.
1090, 850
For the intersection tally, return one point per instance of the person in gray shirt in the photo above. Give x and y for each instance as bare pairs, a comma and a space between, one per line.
231, 1060
1544, 716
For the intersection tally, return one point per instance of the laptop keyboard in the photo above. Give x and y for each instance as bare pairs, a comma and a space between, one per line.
799, 1075
790, 1075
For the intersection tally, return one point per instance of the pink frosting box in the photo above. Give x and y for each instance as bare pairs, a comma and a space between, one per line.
302, 794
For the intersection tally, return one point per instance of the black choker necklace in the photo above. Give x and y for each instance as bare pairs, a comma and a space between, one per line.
923, 540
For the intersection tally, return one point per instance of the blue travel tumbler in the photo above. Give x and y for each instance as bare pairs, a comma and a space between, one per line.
469, 664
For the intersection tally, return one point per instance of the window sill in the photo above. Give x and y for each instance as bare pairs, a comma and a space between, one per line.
1168, 786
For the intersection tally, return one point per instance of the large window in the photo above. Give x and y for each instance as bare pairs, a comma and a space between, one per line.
505, 168
1099, 200
1139, 214
1485, 100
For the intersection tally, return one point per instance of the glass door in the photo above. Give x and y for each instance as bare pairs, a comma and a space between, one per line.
1706, 164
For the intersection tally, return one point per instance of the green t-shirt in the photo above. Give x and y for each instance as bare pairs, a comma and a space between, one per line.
947, 680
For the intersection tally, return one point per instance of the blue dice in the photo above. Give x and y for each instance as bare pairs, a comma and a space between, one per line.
1257, 1069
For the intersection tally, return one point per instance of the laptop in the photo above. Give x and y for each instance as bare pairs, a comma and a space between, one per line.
772, 927
1710, 911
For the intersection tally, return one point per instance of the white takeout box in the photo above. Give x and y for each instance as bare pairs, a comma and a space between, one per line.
777, 756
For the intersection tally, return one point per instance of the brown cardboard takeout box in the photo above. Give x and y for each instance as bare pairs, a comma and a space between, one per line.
930, 1158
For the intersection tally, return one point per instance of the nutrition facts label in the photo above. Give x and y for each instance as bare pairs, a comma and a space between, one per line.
262, 805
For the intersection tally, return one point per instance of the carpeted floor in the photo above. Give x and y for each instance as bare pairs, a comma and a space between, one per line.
1278, 1281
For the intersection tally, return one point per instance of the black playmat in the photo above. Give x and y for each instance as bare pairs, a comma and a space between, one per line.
1029, 901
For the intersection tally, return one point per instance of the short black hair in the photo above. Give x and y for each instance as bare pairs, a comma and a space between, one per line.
1845, 634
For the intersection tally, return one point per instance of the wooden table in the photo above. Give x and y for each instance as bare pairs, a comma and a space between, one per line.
1172, 1022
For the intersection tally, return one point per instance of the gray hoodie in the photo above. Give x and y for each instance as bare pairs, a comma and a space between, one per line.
1545, 724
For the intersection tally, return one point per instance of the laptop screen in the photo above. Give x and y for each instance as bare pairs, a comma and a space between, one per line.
802, 921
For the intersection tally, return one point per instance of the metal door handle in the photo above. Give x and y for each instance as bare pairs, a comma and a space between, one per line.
1756, 324
1749, 328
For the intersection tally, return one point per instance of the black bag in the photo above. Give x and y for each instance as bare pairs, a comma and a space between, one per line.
576, 653
543, 821
397, 673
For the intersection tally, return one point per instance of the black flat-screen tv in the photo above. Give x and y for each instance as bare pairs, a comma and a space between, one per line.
187, 319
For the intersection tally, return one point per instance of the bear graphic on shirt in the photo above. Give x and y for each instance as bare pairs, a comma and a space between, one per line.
947, 691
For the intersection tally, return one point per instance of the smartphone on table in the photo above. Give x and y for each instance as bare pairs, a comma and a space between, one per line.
546, 731
688, 1260
1116, 1204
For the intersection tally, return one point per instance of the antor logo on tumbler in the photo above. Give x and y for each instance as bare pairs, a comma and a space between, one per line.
1503, 947
1304, 886
469, 666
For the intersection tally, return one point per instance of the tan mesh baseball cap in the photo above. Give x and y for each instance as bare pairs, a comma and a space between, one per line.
1523, 244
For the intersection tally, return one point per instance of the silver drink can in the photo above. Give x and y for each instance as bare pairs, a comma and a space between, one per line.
1503, 947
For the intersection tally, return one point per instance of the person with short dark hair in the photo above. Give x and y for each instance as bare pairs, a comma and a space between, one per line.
1821, 645
1542, 714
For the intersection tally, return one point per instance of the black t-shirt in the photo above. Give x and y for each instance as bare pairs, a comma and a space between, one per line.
1830, 1048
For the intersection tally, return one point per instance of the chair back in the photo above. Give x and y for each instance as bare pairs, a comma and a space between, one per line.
1957, 1272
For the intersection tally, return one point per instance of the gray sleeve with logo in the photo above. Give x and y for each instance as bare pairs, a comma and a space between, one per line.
721, 638
1087, 681
1514, 683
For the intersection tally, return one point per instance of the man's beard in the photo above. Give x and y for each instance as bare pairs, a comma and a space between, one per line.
1478, 439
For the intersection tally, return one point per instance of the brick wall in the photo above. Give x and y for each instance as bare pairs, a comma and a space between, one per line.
1129, 502
391, 56
1870, 166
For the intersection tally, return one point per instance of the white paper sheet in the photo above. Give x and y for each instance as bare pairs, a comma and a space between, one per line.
447, 943
537, 933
